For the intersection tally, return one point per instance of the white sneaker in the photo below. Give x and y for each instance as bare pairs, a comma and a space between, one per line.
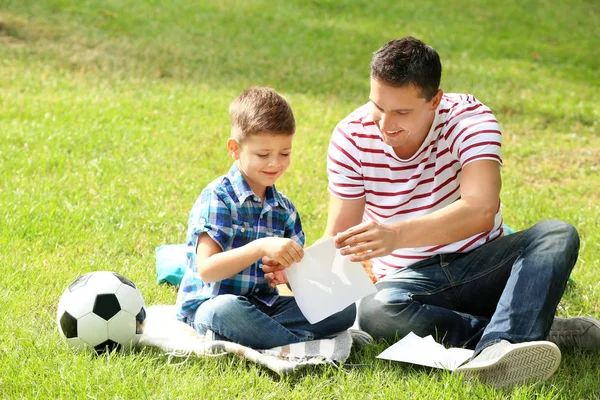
578, 332
505, 364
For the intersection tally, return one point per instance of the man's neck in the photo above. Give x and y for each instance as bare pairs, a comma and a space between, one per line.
408, 150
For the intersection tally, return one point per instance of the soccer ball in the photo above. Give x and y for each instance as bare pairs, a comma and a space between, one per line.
101, 311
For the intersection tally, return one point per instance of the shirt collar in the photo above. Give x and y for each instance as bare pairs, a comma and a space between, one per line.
243, 190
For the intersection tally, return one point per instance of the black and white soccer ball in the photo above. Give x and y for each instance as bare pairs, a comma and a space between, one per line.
102, 311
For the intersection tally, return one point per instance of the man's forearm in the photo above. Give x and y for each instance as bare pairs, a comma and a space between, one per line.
453, 223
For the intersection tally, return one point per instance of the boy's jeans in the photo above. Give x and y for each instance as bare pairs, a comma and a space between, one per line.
506, 289
249, 322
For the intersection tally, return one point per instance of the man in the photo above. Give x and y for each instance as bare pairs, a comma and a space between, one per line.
414, 182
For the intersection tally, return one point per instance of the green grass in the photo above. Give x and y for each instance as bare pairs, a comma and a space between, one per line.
113, 116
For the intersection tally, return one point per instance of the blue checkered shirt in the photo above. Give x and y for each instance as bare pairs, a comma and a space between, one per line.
233, 216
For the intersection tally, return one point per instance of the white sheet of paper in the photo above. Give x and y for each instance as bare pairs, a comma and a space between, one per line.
426, 351
326, 282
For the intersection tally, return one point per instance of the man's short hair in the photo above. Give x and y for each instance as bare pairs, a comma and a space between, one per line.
408, 61
260, 110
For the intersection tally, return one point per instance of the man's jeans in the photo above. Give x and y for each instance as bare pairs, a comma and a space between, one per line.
506, 289
249, 322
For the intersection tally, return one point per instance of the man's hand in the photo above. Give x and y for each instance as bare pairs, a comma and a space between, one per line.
367, 240
274, 272
281, 250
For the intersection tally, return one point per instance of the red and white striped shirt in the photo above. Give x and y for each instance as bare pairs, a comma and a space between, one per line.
361, 164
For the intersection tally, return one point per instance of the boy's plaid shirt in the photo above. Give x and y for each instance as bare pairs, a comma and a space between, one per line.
233, 216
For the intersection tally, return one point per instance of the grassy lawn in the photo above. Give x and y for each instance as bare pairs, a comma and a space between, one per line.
113, 117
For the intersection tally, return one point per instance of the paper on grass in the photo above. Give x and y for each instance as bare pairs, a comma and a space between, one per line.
426, 351
326, 282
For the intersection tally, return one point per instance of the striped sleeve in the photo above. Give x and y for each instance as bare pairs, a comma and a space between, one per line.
343, 164
473, 133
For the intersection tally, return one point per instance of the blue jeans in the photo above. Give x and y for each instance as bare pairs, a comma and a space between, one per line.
506, 289
249, 322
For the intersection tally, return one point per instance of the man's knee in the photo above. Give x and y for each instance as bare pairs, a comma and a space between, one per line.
571, 236
558, 233
385, 314
559, 240
560, 236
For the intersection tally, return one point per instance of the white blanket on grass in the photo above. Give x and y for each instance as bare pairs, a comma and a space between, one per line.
162, 330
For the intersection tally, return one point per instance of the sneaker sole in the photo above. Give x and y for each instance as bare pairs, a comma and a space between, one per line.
523, 363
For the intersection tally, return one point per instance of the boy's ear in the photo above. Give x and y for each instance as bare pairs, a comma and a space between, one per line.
234, 148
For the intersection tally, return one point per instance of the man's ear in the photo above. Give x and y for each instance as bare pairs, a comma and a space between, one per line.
435, 102
234, 148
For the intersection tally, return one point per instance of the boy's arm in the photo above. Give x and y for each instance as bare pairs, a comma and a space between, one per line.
215, 264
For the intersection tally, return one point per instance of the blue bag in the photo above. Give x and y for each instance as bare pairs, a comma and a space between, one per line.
171, 263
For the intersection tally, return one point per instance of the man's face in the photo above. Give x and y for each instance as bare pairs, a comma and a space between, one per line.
402, 116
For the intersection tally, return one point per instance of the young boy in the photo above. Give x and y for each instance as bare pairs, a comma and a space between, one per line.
241, 222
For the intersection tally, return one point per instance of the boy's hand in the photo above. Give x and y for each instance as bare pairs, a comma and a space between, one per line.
281, 250
276, 278
273, 272
271, 265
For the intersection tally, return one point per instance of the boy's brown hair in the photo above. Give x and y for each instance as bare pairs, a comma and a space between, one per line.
260, 110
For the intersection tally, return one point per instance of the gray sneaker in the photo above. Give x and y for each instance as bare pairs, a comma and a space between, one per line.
361, 338
577, 332
505, 364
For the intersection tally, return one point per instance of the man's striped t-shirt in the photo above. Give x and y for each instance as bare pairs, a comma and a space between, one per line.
361, 164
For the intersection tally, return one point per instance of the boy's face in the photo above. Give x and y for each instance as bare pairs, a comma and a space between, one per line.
262, 159
402, 115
